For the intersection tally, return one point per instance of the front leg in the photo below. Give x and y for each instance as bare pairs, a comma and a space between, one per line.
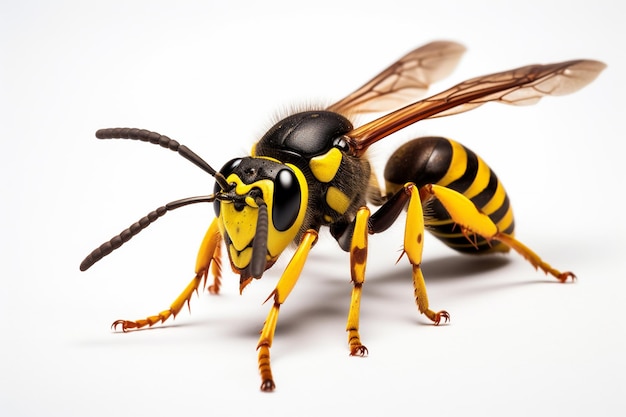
208, 259
281, 292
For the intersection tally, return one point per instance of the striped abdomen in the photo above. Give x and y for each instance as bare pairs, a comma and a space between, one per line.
436, 160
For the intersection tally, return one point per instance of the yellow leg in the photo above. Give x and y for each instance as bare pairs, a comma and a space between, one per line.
281, 292
209, 251
210, 256
532, 257
471, 220
358, 259
413, 246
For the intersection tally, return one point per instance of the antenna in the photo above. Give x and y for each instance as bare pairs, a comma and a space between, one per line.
164, 141
118, 240
259, 244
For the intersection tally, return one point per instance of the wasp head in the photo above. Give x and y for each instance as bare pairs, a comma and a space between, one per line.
260, 211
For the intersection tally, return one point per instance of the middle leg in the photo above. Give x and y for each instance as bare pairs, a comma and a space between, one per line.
413, 247
358, 259
385, 216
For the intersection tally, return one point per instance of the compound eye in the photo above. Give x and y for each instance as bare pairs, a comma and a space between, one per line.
286, 204
226, 170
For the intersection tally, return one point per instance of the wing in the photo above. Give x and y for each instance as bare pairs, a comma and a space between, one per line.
404, 81
525, 85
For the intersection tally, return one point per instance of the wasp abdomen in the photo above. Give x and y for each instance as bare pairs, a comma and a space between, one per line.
436, 160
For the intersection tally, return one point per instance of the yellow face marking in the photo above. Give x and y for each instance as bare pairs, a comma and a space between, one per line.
240, 259
325, 167
337, 200
240, 226
250, 201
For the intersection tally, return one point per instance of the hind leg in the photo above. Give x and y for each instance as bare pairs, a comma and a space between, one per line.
532, 257
472, 221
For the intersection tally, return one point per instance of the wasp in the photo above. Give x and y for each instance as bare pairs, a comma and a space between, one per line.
310, 170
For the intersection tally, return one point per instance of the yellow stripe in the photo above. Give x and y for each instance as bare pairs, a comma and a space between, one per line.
337, 200
496, 201
458, 164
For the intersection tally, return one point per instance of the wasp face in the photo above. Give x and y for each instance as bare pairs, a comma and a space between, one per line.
256, 182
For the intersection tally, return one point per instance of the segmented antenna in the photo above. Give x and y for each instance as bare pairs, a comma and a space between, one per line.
259, 245
164, 141
117, 241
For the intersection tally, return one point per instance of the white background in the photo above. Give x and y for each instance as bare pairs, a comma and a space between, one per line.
214, 76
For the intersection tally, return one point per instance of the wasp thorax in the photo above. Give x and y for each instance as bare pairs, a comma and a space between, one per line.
303, 135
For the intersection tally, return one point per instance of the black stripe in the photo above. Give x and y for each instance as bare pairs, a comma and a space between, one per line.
497, 215
481, 199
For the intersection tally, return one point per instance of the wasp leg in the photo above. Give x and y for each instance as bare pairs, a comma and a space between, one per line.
464, 213
281, 292
532, 257
358, 260
385, 216
413, 247
210, 255
209, 250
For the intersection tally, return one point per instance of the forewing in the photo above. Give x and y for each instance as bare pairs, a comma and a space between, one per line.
521, 86
404, 81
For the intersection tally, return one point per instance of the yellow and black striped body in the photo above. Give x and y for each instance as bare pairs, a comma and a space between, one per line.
436, 160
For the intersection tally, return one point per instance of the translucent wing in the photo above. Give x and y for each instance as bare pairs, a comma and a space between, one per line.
404, 81
525, 85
